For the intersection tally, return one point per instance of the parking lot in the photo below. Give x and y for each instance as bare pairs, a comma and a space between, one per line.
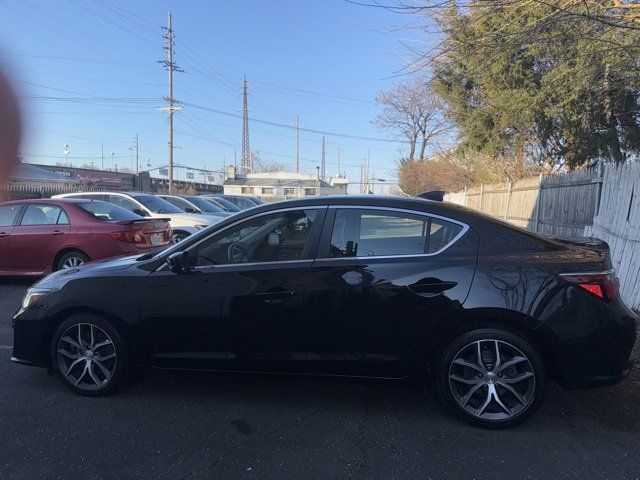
172, 425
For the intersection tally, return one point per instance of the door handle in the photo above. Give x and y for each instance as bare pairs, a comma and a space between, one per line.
57, 232
3, 234
277, 296
430, 287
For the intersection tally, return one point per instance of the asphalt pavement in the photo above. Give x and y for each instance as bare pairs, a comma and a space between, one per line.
173, 425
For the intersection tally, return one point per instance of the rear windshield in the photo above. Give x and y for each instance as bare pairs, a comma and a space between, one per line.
157, 204
107, 211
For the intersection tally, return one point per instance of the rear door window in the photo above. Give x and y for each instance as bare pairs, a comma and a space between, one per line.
124, 202
367, 232
44, 215
8, 214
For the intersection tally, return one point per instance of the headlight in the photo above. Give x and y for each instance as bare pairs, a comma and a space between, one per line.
200, 227
33, 295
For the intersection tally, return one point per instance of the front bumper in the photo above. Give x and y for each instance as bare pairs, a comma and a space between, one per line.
29, 337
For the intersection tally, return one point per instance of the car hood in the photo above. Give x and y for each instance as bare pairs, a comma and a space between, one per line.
97, 267
190, 219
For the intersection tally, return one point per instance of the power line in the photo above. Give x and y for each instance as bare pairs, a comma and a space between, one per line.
283, 125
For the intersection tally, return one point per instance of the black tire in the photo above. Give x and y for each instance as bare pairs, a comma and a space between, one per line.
179, 236
71, 259
91, 380
513, 391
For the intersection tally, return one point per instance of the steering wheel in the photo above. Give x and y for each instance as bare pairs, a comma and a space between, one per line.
238, 253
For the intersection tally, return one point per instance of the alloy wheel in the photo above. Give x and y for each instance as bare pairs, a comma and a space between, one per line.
72, 262
492, 380
87, 356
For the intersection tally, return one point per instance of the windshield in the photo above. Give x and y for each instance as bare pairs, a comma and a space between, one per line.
157, 204
226, 204
106, 211
203, 205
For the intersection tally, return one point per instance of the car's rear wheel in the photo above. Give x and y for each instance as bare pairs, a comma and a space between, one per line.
492, 378
88, 355
71, 259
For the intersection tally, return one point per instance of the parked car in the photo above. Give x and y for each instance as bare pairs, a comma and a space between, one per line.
351, 286
43, 235
223, 203
241, 201
195, 204
146, 205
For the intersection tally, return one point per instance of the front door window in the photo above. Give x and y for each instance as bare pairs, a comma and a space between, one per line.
278, 237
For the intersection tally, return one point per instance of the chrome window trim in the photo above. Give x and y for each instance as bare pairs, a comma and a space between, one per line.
464, 230
251, 217
251, 264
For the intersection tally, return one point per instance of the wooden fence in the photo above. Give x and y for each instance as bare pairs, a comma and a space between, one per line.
559, 205
618, 223
602, 202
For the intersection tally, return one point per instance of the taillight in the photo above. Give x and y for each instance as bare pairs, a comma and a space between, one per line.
601, 284
133, 235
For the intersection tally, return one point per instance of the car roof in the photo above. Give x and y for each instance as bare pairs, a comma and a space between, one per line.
445, 209
47, 200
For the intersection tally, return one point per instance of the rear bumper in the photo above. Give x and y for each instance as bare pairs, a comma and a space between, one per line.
598, 381
591, 343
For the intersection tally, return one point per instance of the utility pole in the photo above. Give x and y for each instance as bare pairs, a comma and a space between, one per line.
135, 145
324, 160
297, 143
339, 160
102, 156
171, 107
247, 164
367, 170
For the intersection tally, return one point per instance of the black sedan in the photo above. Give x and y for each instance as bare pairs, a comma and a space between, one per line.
381, 287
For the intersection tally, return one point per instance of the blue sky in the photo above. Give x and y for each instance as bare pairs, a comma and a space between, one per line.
88, 72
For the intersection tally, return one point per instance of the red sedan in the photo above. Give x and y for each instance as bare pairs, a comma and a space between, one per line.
44, 235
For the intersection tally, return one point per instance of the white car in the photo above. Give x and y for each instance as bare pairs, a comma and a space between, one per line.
147, 205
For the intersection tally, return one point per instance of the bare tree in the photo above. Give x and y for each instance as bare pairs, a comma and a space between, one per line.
260, 165
413, 111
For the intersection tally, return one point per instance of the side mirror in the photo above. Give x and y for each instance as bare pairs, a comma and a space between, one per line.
190, 210
178, 262
139, 211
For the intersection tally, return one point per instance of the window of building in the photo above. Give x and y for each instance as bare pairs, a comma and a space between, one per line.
290, 191
310, 191
247, 190
277, 237
267, 191
362, 233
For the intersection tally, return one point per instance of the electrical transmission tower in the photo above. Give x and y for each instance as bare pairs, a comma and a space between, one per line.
247, 164
171, 107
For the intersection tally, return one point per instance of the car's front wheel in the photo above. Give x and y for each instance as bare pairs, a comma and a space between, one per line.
492, 378
88, 355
